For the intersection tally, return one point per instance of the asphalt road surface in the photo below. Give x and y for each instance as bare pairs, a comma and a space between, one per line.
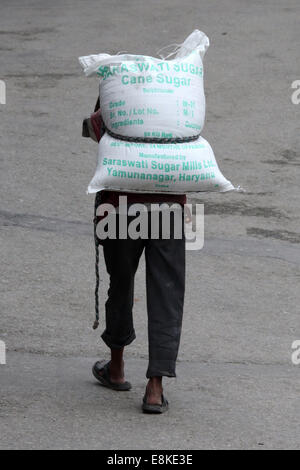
237, 386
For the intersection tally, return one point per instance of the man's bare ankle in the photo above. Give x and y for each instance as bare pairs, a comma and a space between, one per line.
154, 391
154, 385
117, 364
116, 372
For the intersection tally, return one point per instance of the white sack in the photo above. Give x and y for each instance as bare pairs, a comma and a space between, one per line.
142, 96
173, 168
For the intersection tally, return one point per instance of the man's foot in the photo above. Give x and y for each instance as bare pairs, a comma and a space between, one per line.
154, 391
154, 401
103, 373
116, 372
111, 374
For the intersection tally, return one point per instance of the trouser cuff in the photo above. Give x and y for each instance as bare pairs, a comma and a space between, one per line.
117, 343
161, 369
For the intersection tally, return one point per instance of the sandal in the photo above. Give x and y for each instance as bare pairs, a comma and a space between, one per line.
155, 409
104, 378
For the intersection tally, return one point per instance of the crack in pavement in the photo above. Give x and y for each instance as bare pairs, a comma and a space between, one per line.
278, 249
131, 358
239, 208
250, 247
45, 224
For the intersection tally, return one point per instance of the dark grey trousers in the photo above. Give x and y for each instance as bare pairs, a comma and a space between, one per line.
165, 283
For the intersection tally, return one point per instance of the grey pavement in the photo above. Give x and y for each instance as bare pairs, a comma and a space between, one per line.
236, 385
